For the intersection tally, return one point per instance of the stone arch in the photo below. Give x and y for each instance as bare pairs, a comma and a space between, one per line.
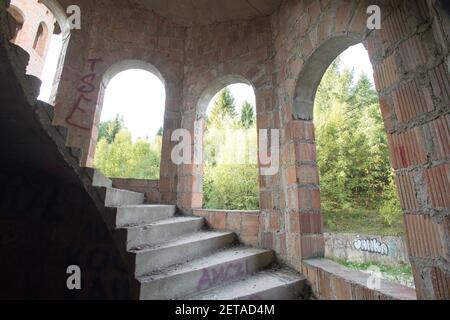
213, 88
60, 16
108, 75
64, 25
128, 64
195, 192
313, 71
301, 171
41, 37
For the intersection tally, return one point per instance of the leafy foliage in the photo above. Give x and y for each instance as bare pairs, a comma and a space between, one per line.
108, 130
224, 109
353, 157
122, 158
247, 115
230, 172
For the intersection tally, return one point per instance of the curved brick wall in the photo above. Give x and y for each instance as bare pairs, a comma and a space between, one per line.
276, 54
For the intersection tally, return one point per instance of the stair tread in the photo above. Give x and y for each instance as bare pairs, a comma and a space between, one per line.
146, 205
163, 222
185, 239
258, 282
219, 257
123, 190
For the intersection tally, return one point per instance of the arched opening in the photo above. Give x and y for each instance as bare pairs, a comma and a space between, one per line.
40, 39
230, 175
358, 197
130, 126
46, 40
19, 17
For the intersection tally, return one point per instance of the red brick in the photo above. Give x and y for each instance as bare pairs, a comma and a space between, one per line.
305, 152
407, 149
424, 236
438, 184
307, 174
343, 15
218, 220
413, 53
410, 101
406, 191
386, 73
250, 224
234, 221
439, 132
275, 220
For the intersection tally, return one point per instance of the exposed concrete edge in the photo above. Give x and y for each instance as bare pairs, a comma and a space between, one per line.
353, 280
228, 211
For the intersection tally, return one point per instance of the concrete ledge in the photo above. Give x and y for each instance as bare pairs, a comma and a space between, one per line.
331, 281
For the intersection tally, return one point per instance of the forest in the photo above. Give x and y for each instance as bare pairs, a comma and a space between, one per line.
358, 192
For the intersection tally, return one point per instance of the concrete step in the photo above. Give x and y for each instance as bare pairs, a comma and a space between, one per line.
62, 131
180, 250
100, 180
281, 284
217, 269
163, 230
138, 215
118, 197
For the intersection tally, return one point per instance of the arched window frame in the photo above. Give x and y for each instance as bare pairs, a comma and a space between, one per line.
19, 16
40, 40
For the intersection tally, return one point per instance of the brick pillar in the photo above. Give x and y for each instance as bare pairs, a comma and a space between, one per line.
413, 81
304, 222
190, 185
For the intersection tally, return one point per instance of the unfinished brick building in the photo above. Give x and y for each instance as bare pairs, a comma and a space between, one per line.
35, 25
75, 216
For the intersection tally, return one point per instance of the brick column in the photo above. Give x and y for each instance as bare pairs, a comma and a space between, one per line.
413, 81
301, 176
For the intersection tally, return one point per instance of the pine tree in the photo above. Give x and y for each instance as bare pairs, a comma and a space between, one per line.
247, 115
224, 106
108, 130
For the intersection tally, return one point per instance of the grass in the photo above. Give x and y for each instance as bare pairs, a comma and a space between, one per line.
401, 274
362, 221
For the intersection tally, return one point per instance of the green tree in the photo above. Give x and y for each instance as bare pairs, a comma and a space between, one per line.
125, 159
352, 150
231, 175
247, 115
108, 130
224, 107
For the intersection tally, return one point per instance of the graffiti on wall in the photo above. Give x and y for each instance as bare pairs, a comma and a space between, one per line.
371, 245
86, 88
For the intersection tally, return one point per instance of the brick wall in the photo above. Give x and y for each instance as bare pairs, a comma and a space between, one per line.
284, 56
244, 223
113, 32
149, 187
216, 56
409, 57
34, 14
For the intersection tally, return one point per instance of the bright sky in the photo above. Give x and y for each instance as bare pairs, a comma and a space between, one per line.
139, 96
51, 64
357, 58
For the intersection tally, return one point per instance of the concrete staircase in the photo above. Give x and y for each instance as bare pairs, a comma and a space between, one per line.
177, 257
